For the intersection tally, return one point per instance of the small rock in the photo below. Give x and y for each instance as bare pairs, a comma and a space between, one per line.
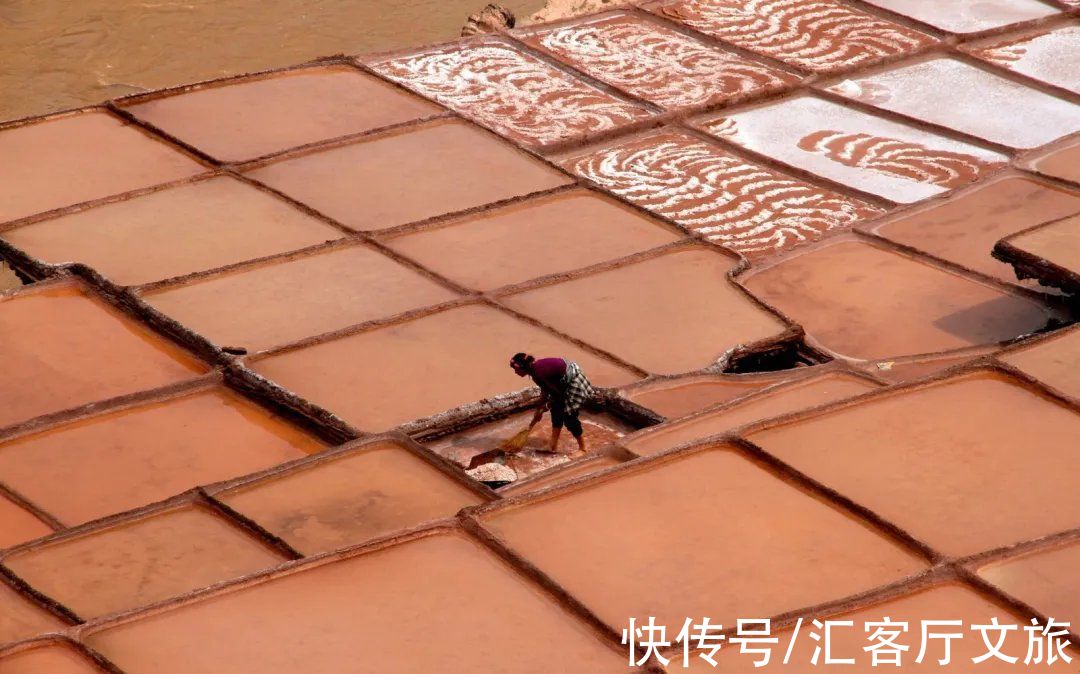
488, 20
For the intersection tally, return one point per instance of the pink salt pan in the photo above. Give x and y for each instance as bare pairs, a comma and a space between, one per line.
18, 525
1061, 162
1052, 57
954, 463
438, 604
53, 658
784, 399
535, 238
65, 161
410, 175
107, 464
965, 228
64, 348
352, 498
284, 301
711, 534
381, 378
968, 16
915, 90
947, 601
173, 232
21, 618
677, 397
1044, 579
253, 117
659, 314
915, 308
1055, 361
141, 561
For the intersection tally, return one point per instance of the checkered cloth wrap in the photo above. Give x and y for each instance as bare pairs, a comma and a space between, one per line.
577, 388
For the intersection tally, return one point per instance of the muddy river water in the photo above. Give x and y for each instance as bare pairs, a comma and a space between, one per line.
57, 54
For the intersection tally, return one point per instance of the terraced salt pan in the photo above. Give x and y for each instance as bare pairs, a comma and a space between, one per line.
409, 175
281, 302
351, 498
1045, 580
366, 614
869, 153
947, 601
1054, 246
64, 348
968, 16
674, 398
534, 457
688, 530
173, 232
952, 463
800, 395
1061, 162
511, 92
915, 90
818, 35
141, 561
52, 658
900, 371
253, 117
1053, 57
538, 237
555, 476
656, 63
67, 160
659, 315
1054, 361
382, 378
914, 307
965, 228
115, 462
20, 618
743, 206
18, 525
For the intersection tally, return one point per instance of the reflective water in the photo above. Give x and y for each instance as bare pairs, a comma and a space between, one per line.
57, 54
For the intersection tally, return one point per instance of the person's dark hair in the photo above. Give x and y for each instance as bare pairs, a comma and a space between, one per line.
522, 359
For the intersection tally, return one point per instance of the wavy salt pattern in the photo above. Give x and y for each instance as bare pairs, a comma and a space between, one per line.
743, 206
1052, 57
817, 35
860, 150
657, 64
512, 93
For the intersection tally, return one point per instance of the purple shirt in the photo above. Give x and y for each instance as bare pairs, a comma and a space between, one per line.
548, 374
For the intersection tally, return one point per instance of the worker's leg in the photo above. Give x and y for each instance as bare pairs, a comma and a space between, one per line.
573, 424
557, 416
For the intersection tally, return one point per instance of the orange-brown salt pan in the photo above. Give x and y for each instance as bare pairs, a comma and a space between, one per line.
441, 604
142, 561
53, 658
598, 430
711, 534
1062, 162
20, 618
349, 499
1046, 580
1057, 244
676, 398
18, 525
966, 465
949, 601
964, 229
1054, 361
773, 403
246, 119
65, 161
63, 348
916, 368
276, 303
111, 463
660, 314
382, 378
862, 301
173, 232
539, 237
410, 175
